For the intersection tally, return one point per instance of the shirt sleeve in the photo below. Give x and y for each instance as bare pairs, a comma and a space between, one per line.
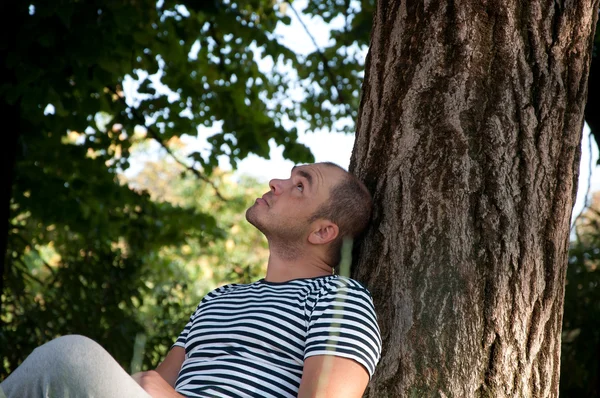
180, 342
343, 323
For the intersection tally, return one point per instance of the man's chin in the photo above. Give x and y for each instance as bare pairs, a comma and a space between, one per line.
252, 217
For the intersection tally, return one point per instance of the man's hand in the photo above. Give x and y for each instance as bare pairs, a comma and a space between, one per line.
155, 385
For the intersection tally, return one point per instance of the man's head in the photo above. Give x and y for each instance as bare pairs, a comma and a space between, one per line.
317, 207
349, 207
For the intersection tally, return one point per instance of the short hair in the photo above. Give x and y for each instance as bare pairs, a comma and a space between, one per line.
349, 207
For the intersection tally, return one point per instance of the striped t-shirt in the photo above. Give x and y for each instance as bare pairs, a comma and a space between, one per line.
251, 340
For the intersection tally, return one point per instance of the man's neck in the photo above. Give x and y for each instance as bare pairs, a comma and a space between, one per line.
282, 268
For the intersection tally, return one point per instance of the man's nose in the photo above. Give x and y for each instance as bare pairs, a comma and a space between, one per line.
276, 186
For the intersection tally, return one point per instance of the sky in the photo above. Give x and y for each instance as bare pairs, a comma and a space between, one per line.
337, 147
589, 172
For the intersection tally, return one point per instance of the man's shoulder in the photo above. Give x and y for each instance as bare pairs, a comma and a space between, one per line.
226, 289
347, 281
340, 285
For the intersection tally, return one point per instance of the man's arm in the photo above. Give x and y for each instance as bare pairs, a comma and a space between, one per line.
161, 382
329, 376
169, 368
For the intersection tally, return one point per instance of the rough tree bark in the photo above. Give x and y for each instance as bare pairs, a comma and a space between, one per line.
469, 137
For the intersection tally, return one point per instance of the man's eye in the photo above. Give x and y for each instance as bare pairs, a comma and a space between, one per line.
300, 187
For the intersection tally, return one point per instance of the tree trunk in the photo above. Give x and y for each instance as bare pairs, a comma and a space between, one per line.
469, 137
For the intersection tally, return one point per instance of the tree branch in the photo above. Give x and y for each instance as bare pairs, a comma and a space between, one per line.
156, 136
195, 171
213, 34
37, 252
25, 272
322, 56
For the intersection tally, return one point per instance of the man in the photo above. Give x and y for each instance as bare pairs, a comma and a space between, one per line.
300, 331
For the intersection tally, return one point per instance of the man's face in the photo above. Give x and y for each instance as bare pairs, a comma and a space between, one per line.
284, 212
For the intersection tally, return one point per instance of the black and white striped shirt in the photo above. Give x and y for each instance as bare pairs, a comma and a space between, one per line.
251, 340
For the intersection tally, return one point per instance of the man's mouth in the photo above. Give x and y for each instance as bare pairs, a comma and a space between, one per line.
263, 201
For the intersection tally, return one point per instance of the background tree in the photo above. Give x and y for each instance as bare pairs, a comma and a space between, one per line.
580, 370
468, 135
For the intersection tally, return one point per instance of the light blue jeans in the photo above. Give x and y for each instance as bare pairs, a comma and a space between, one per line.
71, 366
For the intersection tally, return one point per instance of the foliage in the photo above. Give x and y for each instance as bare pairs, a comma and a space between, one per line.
117, 298
88, 285
206, 53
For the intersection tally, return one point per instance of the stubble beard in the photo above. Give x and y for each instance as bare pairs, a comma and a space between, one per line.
284, 236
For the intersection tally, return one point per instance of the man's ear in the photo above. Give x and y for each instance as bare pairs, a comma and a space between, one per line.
323, 232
